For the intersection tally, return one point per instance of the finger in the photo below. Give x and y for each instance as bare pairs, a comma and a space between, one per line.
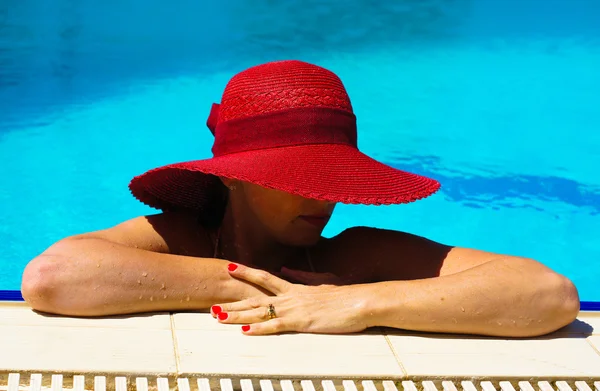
259, 277
272, 326
255, 315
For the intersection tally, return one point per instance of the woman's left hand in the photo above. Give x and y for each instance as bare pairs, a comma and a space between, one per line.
301, 308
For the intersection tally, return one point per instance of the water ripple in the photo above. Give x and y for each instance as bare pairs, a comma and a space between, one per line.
491, 190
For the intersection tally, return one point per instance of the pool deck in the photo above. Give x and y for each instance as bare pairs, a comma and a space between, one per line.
193, 344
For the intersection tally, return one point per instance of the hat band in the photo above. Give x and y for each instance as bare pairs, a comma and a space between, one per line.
292, 127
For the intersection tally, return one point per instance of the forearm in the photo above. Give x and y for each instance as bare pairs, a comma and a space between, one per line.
516, 298
105, 278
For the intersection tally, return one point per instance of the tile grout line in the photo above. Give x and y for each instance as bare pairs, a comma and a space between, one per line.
175, 347
597, 350
391, 346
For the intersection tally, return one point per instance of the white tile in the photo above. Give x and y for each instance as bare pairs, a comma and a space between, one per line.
86, 349
227, 352
438, 355
23, 315
200, 320
207, 346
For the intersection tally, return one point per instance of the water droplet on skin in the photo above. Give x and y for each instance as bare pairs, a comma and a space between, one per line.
151, 298
140, 282
164, 296
462, 309
162, 287
196, 288
144, 274
152, 278
140, 297
204, 287
97, 265
187, 298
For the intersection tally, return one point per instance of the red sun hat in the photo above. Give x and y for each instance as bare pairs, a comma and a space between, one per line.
286, 125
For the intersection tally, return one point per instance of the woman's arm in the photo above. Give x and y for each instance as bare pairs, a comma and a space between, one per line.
429, 286
424, 286
511, 297
95, 277
129, 269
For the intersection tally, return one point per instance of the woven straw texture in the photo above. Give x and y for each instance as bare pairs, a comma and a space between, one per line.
288, 126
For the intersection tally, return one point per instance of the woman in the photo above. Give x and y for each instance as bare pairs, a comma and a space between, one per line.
241, 233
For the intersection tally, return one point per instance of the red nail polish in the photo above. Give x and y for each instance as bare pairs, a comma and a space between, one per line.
223, 315
216, 309
232, 267
246, 328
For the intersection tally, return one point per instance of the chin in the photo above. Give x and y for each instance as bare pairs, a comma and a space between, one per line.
304, 240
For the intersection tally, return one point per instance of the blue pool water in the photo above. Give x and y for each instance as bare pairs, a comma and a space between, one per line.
498, 100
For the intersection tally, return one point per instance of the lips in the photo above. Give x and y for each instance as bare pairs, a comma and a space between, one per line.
316, 220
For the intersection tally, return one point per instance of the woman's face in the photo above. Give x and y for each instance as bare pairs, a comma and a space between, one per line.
292, 220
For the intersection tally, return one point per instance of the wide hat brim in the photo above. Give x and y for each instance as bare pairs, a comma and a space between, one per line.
335, 173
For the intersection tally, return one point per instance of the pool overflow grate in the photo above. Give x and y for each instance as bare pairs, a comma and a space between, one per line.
56, 382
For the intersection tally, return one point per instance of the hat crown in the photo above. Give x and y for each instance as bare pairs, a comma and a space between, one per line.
281, 85
288, 126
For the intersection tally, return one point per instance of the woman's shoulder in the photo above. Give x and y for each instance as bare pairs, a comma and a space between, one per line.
190, 234
347, 254
361, 237
167, 232
181, 232
381, 254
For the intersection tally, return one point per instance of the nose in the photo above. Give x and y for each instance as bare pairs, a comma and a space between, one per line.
327, 206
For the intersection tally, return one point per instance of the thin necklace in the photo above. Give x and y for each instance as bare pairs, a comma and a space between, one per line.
217, 242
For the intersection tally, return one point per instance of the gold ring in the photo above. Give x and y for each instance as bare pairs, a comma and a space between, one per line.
271, 311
